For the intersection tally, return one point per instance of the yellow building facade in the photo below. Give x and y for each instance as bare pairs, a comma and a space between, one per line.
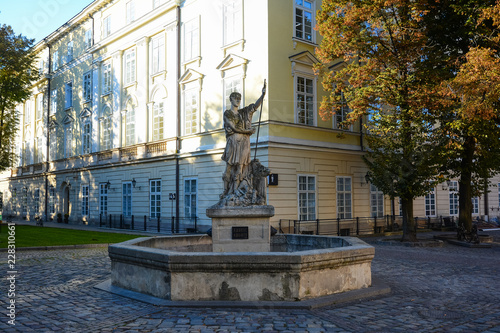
127, 116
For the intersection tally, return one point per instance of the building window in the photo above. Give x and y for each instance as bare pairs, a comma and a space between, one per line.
52, 200
158, 54
453, 195
53, 144
39, 106
27, 152
24, 201
155, 198
130, 67
68, 141
85, 200
106, 23
233, 84
191, 40
191, 108
36, 199
39, 147
127, 199
27, 112
69, 54
307, 198
106, 78
86, 138
475, 205
87, 86
233, 21
305, 100
106, 133
68, 101
430, 203
130, 126
130, 12
304, 20
341, 115
55, 61
158, 119
190, 198
53, 102
103, 199
88, 38
41, 66
344, 198
376, 201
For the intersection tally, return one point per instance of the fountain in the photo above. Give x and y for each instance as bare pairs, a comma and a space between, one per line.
240, 260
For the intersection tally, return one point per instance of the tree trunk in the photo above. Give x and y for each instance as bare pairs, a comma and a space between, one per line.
465, 185
409, 231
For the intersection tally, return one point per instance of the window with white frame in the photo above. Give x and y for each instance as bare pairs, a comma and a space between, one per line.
41, 66
36, 199
453, 196
430, 203
106, 77
39, 146
53, 101
233, 84
158, 54
127, 199
304, 92
24, 201
55, 61
130, 67
344, 197
191, 39
233, 21
87, 86
341, 115
85, 200
86, 137
39, 106
27, 112
130, 11
190, 198
52, 200
475, 205
68, 141
376, 201
69, 54
103, 199
88, 38
130, 125
68, 95
53, 144
106, 129
307, 197
106, 23
158, 121
155, 198
191, 109
304, 20
27, 152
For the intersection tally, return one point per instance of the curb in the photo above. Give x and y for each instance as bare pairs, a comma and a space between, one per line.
59, 247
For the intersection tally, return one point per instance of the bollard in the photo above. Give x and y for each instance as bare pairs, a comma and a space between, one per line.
145, 226
110, 221
158, 223
121, 221
338, 226
132, 225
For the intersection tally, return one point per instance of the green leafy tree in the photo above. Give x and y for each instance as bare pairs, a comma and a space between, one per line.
17, 72
379, 50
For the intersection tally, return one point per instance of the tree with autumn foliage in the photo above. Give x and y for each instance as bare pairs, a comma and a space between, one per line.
373, 55
471, 97
17, 72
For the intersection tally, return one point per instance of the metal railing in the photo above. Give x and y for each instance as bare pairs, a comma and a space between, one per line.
359, 226
167, 225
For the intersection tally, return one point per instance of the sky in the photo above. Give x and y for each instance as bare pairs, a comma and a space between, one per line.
38, 18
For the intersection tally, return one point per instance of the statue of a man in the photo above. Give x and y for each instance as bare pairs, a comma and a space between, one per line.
238, 127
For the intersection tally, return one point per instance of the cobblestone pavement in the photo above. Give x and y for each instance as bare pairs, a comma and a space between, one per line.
447, 289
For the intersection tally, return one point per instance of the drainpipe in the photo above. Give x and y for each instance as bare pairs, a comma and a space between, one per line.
178, 129
47, 151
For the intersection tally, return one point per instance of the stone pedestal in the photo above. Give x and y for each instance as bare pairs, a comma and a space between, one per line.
241, 229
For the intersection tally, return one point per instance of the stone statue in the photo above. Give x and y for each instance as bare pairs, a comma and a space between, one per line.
244, 179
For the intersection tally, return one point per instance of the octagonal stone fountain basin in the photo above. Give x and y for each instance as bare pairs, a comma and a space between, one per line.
184, 268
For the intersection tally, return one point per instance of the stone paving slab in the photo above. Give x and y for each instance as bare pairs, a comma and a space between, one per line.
443, 289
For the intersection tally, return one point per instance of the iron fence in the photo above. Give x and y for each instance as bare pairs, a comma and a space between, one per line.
170, 225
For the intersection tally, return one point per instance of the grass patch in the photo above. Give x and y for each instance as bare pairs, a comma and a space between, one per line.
27, 236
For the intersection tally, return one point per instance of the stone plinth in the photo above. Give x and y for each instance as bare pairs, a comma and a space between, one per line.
241, 229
